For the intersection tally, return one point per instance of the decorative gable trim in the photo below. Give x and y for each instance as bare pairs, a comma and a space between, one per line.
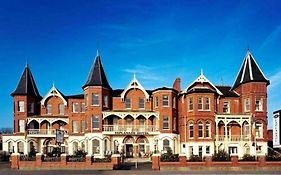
134, 84
202, 79
53, 92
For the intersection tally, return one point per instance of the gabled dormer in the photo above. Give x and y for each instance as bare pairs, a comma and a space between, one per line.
134, 84
249, 72
53, 92
202, 84
97, 75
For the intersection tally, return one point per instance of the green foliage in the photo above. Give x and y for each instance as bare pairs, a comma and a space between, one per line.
248, 157
221, 155
169, 157
80, 153
32, 152
195, 158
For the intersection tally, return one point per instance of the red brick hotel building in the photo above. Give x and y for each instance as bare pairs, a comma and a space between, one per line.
197, 120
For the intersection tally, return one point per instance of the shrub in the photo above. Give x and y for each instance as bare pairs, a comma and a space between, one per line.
169, 157
195, 158
248, 157
221, 155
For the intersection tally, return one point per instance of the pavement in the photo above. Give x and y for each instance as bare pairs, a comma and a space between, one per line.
144, 168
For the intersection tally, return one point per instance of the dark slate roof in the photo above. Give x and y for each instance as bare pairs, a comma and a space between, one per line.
249, 72
200, 90
78, 96
97, 75
118, 92
27, 85
164, 88
226, 91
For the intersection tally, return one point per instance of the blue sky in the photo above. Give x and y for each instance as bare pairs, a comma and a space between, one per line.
159, 40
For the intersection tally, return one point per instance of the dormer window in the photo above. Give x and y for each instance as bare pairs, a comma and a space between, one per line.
226, 107
128, 103
49, 109
141, 103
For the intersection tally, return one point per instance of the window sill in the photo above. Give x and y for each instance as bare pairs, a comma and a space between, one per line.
95, 105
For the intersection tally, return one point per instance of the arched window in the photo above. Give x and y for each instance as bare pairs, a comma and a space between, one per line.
20, 147
208, 129
96, 146
191, 130
166, 145
83, 146
74, 147
10, 147
200, 129
141, 147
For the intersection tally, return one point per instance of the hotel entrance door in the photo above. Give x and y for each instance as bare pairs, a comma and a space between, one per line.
129, 150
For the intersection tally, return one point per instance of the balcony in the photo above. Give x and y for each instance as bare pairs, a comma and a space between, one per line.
44, 133
233, 138
131, 129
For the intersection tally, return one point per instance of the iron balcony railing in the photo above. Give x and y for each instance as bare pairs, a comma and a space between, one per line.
43, 132
233, 138
119, 129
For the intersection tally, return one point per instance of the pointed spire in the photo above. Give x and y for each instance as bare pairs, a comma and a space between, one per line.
201, 72
249, 72
97, 75
27, 85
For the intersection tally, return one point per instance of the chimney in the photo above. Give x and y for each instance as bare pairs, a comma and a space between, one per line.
177, 84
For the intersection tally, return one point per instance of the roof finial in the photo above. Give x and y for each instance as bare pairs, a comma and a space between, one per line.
201, 71
134, 75
98, 54
26, 63
53, 84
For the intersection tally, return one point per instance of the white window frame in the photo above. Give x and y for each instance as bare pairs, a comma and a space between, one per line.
156, 104
259, 105
191, 130
83, 107
75, 107
226, 105
141, 104
75, 128
165, 101
200, 104
166, 121
207, 104
208, 130
20, 106
21, 125
95, 99
200, 124
247, 105
190, 104
128, 103
49, 109
61, 109
95, 119
259, 130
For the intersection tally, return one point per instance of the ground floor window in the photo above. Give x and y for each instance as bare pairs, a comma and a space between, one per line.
96, 146
166, 145
232, 150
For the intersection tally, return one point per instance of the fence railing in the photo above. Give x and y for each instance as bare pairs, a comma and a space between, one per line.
43, 131
233, 138
131, 128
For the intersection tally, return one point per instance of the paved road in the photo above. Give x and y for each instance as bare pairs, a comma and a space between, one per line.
129, 169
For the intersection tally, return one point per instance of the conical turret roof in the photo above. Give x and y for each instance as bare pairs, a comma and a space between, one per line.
249, 72
97, 75
27, 85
